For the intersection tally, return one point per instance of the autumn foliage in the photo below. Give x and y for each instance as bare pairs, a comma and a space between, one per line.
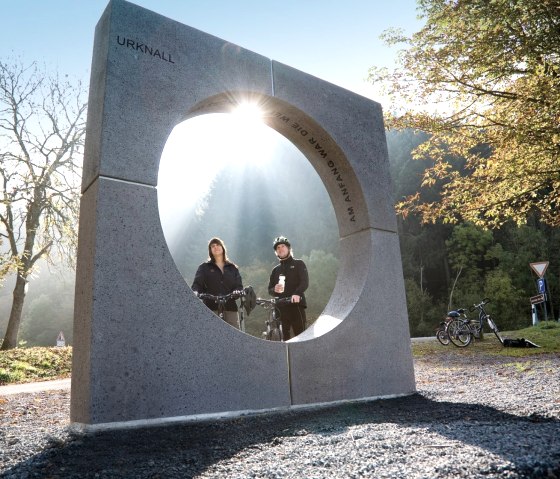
482, 78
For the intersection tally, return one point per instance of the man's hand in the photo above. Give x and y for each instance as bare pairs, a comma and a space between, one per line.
296, 298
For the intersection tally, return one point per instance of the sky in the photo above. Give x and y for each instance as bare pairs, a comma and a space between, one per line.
334, 40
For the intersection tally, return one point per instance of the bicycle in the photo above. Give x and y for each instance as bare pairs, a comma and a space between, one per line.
462, 331
273, 324
221, 300
442, 334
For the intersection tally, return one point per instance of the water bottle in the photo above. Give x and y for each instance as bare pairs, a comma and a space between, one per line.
282, 282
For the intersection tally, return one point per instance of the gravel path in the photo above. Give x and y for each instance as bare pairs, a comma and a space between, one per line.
498, 418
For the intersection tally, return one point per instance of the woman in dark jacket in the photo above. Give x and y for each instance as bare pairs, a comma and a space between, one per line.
218, 276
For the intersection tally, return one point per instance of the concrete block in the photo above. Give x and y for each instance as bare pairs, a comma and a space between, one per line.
367, 352
348, 149
145, 348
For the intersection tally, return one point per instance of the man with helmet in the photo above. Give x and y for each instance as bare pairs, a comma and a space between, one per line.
289, 278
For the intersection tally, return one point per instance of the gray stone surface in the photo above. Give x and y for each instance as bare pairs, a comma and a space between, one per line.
145, 348
368, 353
138, 97
352, 137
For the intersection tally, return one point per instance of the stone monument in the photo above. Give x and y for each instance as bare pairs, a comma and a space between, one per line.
145, 348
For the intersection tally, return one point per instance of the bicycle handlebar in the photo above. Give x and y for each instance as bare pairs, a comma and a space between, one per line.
480, 305
272, 301
221, 297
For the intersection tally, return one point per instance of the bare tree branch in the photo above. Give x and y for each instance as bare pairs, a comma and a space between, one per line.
42, 128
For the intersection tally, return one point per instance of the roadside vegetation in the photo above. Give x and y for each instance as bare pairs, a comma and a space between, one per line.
546, 334
22, 365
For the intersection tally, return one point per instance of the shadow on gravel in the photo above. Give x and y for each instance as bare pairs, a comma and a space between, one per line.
188, 450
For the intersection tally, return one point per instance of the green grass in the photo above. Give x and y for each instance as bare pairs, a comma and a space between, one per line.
546, 334
22, 365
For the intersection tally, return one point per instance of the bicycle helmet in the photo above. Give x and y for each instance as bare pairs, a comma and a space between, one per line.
281, 240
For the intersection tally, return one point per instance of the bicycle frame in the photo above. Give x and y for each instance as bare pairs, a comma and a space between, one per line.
484, 316
221, 300
462, 331
273, 324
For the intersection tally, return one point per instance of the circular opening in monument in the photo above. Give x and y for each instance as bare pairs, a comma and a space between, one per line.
230, 176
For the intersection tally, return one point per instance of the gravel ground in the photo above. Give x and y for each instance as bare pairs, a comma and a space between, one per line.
493, 418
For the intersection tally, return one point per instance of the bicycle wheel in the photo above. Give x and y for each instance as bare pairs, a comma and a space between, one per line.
442, 336
476, 329
459, 333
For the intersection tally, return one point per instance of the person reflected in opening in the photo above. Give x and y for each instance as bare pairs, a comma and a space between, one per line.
219, 276
290, 279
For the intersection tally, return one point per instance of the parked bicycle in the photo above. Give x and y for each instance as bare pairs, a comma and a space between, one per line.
273, 324
462, 331
442, 334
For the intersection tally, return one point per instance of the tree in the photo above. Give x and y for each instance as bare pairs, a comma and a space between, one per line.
509, 307
423, 316
42, 127
5, 263
483, 79
472, 256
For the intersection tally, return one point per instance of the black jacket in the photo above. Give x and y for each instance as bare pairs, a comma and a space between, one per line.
297, 279
210, 279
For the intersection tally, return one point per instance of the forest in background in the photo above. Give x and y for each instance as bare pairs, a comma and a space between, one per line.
448, 266
445, 266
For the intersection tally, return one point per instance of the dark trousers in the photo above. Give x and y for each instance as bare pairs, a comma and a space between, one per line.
292, 317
